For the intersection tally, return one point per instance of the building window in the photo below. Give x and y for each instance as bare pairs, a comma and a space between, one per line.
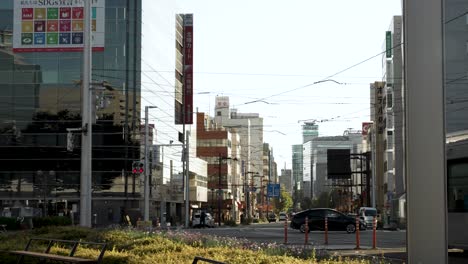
389, 99
218, 113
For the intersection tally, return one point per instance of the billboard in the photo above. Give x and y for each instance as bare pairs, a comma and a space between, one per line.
365, 128
188, 68
388, 44
184, 69
55, 25
379, 107
222, 101
339, 163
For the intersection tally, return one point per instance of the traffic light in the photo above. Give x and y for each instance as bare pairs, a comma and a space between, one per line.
138, 167
141, 167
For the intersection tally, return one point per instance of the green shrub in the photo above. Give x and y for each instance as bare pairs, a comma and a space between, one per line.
247, 221
51, 221
230, 222
170, 247
11, 223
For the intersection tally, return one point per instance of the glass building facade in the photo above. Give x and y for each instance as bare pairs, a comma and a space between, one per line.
40, 106
456, 92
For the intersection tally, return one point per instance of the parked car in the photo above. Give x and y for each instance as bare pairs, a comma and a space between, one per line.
282, 216
367, 214
209, 220
271, 217
316, 220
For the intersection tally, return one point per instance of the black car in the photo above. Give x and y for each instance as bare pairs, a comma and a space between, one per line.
316, 217
271, 217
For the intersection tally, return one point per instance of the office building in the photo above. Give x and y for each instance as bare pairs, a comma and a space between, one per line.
220, 148
40, 108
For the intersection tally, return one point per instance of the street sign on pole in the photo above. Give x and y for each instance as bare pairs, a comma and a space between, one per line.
273, 190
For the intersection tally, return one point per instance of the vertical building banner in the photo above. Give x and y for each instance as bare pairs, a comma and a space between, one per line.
379, 107
188, 69
388, 44
55, 25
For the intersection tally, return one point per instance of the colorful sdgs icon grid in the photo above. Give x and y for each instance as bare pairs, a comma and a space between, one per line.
53, 26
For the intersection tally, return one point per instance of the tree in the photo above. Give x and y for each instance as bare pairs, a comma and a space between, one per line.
323, 200
284, 203
306, 203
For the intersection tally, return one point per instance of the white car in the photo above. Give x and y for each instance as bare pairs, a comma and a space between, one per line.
209, 220
283, 216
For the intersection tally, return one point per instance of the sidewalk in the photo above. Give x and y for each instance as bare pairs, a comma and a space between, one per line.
393, 255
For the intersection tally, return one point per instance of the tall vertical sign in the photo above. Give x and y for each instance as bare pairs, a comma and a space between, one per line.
388, 44
379, 107
56, 26
188, 69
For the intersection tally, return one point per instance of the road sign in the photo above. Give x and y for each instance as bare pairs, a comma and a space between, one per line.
273, 190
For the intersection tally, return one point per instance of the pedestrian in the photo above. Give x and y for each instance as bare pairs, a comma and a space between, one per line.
202, 219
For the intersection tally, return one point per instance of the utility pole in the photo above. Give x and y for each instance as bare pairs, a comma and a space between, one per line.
146, 172
247, 193
269, 179
86, 112
187, 180
219, 189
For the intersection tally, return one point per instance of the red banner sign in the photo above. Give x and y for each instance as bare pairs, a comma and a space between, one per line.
188, 68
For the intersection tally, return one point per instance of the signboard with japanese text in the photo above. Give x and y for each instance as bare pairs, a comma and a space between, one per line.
388, 44
188, 68
222, 101
55, 25
379, 107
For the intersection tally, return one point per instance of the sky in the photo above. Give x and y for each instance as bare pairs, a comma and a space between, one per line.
272, 52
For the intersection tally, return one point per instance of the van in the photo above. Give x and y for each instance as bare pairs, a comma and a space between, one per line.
367, 214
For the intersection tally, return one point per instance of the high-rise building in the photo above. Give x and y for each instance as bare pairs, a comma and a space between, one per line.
297, 170
393, 111
40, 108
309, 131
250, 128
286, 180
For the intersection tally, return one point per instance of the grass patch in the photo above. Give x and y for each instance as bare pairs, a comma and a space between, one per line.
138, 247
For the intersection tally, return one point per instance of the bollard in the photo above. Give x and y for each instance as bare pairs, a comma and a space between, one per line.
306, 230
286, 231
374, 233
357, 233
326, 230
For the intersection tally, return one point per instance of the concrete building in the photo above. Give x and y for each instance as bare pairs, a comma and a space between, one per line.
309, 131
286, 180
394, 174
220, 148
315, 163
45, 173
250, 129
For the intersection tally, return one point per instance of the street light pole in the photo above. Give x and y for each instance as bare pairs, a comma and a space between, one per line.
146, 174
86, 112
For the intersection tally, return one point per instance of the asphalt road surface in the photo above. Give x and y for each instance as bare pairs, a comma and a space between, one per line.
274, 232
391, 244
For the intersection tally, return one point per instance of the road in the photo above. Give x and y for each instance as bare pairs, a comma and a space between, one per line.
391, 244
274, 232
